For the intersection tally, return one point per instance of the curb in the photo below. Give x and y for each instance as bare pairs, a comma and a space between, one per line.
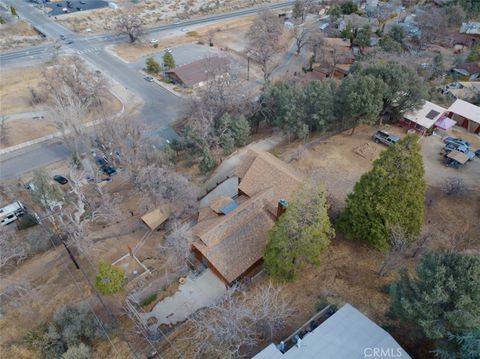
159, 83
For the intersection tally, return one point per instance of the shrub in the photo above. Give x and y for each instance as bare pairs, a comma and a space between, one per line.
149, 300
109, 278
66, 334
80, 351
208, 162
454, 186
26, 221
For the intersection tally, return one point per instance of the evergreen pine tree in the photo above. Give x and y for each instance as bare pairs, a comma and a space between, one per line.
391, 194
442, 302
300, 235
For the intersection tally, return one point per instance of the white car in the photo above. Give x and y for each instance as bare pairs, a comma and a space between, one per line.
154, 41
184, 29
169, 50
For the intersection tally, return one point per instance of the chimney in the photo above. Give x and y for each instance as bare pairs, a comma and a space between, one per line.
282, 207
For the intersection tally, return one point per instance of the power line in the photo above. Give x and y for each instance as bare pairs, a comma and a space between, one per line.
80, 290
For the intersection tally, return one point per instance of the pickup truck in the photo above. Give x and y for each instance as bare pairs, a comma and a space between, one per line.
460, 148
385, 138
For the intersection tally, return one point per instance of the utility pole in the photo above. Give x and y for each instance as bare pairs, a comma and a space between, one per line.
112, 318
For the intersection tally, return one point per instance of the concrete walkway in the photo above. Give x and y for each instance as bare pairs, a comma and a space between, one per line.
195, 293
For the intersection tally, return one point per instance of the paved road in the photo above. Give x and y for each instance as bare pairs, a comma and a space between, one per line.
160, 106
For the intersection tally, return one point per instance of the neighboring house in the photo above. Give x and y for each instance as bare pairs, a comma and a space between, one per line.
466, 115
424, 118
467, 90
470, 32
198, 72
347, 334
468, 70
231, 233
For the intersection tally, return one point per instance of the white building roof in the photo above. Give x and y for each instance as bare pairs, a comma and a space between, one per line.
427, 115
466, 110
348, 334
472, 28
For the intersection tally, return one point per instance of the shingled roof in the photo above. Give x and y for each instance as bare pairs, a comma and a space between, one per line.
232, 243
261, 170
196, 72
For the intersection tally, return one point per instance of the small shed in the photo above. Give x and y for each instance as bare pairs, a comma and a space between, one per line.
156, 218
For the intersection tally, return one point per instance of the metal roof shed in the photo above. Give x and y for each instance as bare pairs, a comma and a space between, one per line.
347, 334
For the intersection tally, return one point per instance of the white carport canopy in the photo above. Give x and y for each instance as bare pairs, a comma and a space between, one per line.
466, 110
427, 115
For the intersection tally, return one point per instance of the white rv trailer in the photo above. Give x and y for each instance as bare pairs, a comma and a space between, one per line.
11, 212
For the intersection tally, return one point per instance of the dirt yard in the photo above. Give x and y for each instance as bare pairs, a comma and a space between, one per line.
152, 12
17, 35
15, 89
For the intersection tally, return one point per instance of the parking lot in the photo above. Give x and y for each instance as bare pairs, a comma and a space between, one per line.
183, 54
64, 7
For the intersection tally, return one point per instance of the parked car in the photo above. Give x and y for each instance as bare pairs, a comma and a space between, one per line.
148, 78
62, 37
109, 170
457, 140
385, 138
169, 50
477, 153
459, 148
69, 42
60, 179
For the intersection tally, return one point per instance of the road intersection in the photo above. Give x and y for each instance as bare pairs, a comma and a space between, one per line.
160, 107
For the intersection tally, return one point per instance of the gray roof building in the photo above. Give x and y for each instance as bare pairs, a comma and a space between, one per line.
347, 334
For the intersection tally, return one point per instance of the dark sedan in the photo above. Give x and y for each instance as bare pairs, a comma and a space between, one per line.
60, 179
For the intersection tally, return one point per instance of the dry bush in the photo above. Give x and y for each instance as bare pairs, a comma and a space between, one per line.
454, 186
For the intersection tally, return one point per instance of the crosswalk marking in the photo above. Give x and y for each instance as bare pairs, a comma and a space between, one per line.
87, 51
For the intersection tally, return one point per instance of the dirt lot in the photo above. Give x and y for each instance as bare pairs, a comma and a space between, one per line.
152, 12
228, 35
14, 89
17, 35
15, 105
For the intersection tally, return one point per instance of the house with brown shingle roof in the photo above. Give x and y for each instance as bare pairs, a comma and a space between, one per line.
232, 233
197, 73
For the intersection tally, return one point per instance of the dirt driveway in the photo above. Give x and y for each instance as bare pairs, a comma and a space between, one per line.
339, 161
435, 170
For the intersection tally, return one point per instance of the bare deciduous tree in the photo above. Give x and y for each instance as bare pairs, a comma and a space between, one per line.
263, 37
160, 185
10, 249
124, 142
131, 25
396, 253
73, 91
301, 35
239, 321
